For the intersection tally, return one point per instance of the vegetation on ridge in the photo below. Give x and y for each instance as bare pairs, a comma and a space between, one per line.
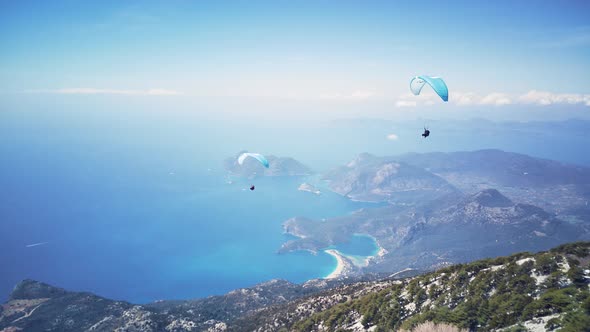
548, 288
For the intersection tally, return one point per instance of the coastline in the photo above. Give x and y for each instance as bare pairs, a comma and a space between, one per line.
347, 264
338, 271
306, 187
380, 252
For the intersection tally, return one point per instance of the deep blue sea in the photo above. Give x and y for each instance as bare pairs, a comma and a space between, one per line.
169, 236
136, 205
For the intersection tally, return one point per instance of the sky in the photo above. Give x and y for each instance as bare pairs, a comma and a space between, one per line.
362, 53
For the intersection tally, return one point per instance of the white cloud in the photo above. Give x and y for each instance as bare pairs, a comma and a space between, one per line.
410, 100
548, 98
392, 137
94, 91
464, 98
496, 98
534, 97
430, 98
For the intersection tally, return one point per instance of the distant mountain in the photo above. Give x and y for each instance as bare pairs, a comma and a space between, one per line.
485, 224
373, 179
279, 166
441, 232
443, 208
554, 186
523, 292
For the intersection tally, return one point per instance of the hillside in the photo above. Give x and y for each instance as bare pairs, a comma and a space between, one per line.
381, 179
543, 290
522, 292
436, 233
36, 306
557, 187
554, 186
445, 208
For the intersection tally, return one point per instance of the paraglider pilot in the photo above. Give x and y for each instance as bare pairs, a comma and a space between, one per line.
426, 133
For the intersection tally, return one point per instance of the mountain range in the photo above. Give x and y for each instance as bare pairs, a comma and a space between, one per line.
445, 208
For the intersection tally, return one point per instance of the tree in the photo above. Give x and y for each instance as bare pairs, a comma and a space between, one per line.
546, 264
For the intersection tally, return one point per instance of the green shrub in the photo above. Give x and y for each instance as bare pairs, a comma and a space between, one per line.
546, 264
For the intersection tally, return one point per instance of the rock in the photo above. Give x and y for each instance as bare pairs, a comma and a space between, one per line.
309, 188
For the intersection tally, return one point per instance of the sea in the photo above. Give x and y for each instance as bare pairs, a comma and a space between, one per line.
168, 236
142, 210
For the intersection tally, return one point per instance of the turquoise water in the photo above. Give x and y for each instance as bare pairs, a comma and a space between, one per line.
136, 206
359, 245
142, 235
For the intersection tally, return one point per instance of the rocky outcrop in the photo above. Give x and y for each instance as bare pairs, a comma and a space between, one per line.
309, 188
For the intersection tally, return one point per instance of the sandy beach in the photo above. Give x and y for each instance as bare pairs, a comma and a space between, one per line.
339, 267
349, 264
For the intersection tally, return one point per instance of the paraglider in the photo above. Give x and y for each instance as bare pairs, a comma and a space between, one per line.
256, 156
436, 83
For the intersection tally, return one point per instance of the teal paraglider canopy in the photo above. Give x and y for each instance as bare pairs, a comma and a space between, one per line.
438, 85
256, 156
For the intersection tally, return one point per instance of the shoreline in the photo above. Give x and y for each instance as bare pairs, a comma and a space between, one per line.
379, 250
338, 271
346, 264
306, 187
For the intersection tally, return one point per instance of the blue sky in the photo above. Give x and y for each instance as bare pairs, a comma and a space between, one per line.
493, 53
